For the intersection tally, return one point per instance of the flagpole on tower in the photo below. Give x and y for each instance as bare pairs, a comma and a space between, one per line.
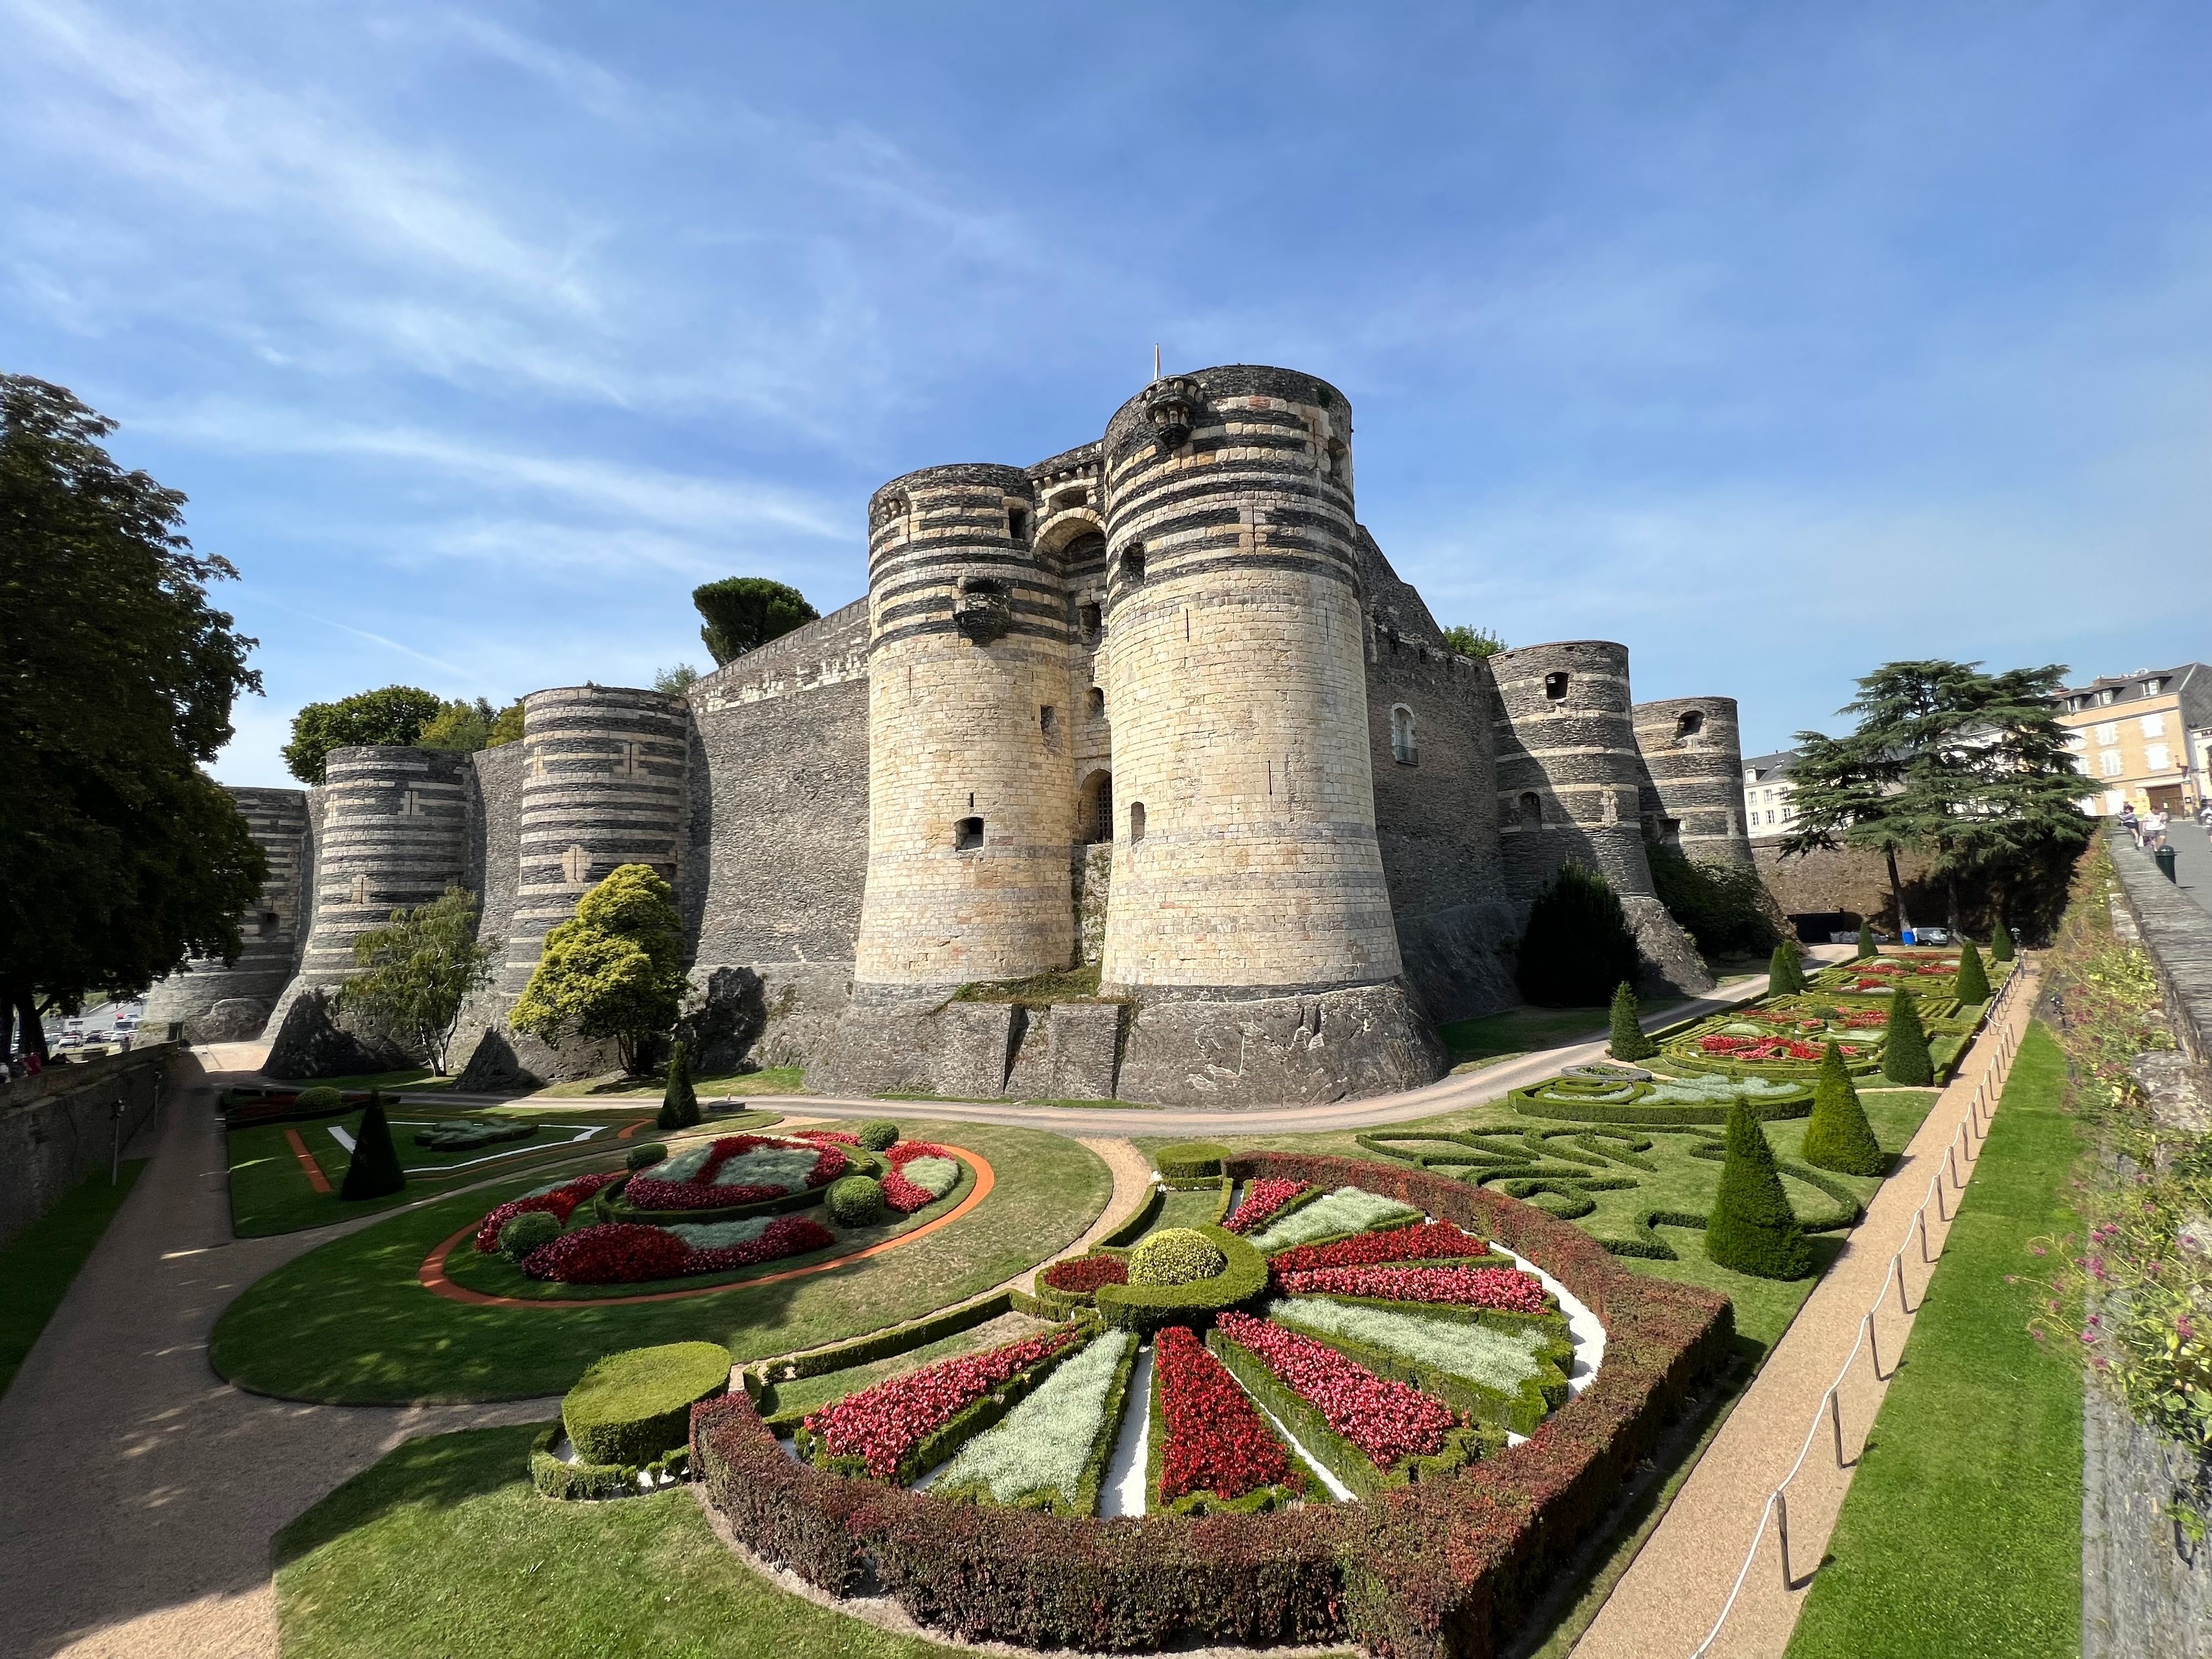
1156, 363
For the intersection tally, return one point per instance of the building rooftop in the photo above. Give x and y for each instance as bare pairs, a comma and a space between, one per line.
2129, 688
1765, 768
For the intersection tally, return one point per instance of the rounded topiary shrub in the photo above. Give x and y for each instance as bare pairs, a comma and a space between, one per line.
1189, 1160
855, 1200
1176, 1256
878, 1133
320, 1098
638, 1158
635, 1407
525, 1232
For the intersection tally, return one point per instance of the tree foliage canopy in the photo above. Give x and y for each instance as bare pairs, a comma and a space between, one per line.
393, 717
613, 970
1471, 641
118, 856
1578, 945
418, 971
743, 613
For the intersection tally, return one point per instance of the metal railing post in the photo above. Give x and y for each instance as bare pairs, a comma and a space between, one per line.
1922, 1213
1874, 1344
1898, 1262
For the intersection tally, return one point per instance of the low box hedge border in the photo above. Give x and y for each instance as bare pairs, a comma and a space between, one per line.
886, 1343
573, 1483
1197, 1162
1084, 1500
1438, 1569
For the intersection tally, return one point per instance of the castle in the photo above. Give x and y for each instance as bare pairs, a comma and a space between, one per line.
1158, 704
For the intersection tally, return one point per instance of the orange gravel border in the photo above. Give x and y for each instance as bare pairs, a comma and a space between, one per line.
316, 1178
432, 1274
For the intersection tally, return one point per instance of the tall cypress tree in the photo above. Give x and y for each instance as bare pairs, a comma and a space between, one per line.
1752, 1228
1904, 1057
1629, 1041
1972, 984
1785, 971
2000, 941
1838, 1137
679, 1107
1866, 942
374, 1172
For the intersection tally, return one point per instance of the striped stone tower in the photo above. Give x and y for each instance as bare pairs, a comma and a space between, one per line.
1569, 777
1693, 788
219, 1004
970, 768
1245, 859
603, 784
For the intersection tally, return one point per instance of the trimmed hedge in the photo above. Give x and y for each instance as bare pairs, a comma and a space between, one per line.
1147, 1307
633, 1406
1432, 1571
1973, 983
1839, 1137
1752, 1228
645, 1157
581, 1482
881, 1345
374, 1172
879, 1134
1196, 1161
524, 1232
1905, 1056
1174, 1256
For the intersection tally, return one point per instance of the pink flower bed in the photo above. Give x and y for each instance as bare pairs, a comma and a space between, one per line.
561, 1203
645, 1192
1263, 1201
1388, 1421
839, 1137
1737, 1048
881, 1425
1506, 1289
899, 1192
629, 1253
1216, 1441
1085, 1274
1426, 1241
1866, 1019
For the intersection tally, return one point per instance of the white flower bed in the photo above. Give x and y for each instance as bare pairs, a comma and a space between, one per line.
1497, 1359
682, 1166
787, 1167
1045, 1442
1716, 1090
720, 1235
1346, 1210
934, 1176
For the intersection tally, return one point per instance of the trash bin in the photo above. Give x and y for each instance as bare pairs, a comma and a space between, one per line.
2164, 857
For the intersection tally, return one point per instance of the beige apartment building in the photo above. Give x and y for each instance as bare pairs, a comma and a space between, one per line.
2143, 739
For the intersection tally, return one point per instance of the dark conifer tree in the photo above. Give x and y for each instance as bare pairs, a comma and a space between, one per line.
1972, 985
374, 1172
1904, 1057
1838, 1137
1578, 945
1629, 1041
1785, 971
679, 1106
1752, 1228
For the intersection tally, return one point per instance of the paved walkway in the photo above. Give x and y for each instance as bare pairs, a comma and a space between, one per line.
2192, 860
1669, 1599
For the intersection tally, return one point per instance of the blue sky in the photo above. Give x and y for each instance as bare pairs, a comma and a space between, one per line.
1773, 341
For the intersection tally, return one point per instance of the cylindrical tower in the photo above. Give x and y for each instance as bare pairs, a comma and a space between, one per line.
219, 1004
970, 770
1245, 858
1570, 779
393, 836
603, 784
1693, 761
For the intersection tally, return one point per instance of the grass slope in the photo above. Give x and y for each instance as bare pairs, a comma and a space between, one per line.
349, 1323
1962, 1532
443, 1547
38, 1264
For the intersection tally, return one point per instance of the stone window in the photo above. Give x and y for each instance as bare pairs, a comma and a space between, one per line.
1090, 622
1094, 817
1136, 821
1532, 807
1097, 698
1403, 748
1018, 523
1068, 500
411, 804
1133, 563
1333, 460
1689, 723
1555, 686
1049, 722
967, 835
359, 892
268, 921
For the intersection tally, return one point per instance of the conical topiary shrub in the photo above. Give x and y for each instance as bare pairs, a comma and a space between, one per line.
1972, 984
1752, 1228
679, 1107
2001, 942
1904, 1055
1785, 971
1578, 945
374, 1172
1866, 941
1629, 1041
1838, 1137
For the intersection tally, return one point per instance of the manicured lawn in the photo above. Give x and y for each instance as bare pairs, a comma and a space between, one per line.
349, 1322
1520, 1031
444, 1547
414, 1078
1962, 1531
37, 1265
770, 1081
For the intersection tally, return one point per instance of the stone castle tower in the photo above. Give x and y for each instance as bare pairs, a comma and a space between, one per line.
1158, 704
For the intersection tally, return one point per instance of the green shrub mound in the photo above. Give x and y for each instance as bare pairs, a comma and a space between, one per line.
525, 1232
640, 1157
879, 1134
320, 1098
1904, 1057
1244, 1276
1190, 1160
1752, 1228
589, 1482
1175, 1255
374, 1172
635, 1407
467, 1135
1838, 1136
1972, 984
1578, 945
679, 1106
1629, 1041
1785, 971
855, 1200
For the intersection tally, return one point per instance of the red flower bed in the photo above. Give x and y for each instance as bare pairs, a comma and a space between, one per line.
841, 1137
700, 1192
1263, 1200
1085, 1274
561, 1203
1388, 1421
1866, 1019
881, 1425
1737, 1048
624, 1254
787, 1235
1504, 1288
899, 1192
1427, 1241
1216, 1441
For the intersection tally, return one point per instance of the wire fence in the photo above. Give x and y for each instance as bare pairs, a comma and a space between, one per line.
1960, 1155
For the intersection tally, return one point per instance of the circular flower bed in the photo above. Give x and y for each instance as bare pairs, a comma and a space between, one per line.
735, 1170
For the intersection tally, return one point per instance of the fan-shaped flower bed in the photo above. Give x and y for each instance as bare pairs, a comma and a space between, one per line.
735, 1170
919, 1174
1506, 1290
1262, 1202
1430, 1241
1389, 1422
1212, 1447
886, 1431
1082, 1274
629, 1253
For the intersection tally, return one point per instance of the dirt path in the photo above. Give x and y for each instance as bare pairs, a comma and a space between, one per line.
1668, 1601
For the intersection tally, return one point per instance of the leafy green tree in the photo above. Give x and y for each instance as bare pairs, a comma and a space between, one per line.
743, 613
1752, 1228
391, 718
118, 856
1904, 1057
1785, 971
1838, 1135
418, 971
675, 681
1471, 641
613, 970
679, 1107
507, 726
464, 727
374, 1170
1578, 945
1972, 984
1970, 769
1866, 946
1629, 1041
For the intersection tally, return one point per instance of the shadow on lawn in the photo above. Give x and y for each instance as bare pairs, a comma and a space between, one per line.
443, 1471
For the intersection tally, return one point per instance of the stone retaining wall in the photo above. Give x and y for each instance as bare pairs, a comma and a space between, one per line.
57, 1128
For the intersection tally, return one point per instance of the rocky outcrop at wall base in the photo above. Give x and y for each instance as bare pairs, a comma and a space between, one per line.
961, 1050
495, 1068
1069, 1051
315, 1042
1671, 961
501, 1060
1462, 961
1294, 1050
